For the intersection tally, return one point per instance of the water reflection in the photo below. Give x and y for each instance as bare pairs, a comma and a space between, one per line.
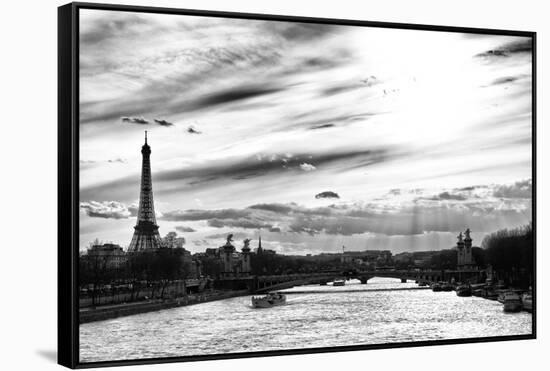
315, 316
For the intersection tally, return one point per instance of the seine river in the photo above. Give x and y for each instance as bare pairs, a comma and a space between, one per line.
315, 316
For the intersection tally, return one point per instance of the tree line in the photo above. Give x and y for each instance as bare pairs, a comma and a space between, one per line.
100, 274
509, 253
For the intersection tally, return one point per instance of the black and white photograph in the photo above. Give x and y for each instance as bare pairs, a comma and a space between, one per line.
253, 185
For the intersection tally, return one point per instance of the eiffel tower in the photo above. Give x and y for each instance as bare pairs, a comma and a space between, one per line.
146, 232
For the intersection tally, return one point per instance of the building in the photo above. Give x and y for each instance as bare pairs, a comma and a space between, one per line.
373, 257
259, 249
112, 255
465, 259
146, 232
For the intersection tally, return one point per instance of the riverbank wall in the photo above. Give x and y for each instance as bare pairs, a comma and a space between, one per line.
102, 313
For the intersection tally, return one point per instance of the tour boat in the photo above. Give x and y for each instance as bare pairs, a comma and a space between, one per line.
447, 287
436, 287
512, 302
527, 301
270, 300
490, 293
339, 283
502, 294
477, 292
464, 290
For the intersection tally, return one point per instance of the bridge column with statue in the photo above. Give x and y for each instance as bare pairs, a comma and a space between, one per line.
246, 268
227, 251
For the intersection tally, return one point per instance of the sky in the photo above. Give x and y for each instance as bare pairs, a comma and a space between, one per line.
312, 136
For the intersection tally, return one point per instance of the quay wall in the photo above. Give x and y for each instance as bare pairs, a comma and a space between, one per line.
113, 311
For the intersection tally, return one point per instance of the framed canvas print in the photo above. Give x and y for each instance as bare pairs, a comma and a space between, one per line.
242, 185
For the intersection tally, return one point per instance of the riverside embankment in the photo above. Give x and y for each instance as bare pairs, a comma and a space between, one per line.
105, 312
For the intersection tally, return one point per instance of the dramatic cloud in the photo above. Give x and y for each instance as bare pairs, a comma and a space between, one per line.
135, 120
134, 208
239, 223
236, 236
521, 189
287, 110
448, 196
163, 122
410, 219
271, 164
277, 208
445, 212
233, 95
307, 167
107, 209
470, 188
327, 194
183, 229
103, 29
191, 215
509, 49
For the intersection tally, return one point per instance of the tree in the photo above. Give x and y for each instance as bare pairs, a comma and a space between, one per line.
136, 268
444, 259
93, 270
172, 241
478, 255
510, 253
211, 266
170, 266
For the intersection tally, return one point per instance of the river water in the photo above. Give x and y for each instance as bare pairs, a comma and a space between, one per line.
315, 316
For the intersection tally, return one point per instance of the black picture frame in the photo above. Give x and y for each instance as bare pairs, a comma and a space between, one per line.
68, 179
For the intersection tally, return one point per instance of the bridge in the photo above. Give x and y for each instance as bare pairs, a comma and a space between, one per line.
261, 284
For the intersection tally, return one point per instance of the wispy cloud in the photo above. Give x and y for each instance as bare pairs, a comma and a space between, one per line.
448, 196
261, 164
135, 120
508, 49
184, 229
163, 122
